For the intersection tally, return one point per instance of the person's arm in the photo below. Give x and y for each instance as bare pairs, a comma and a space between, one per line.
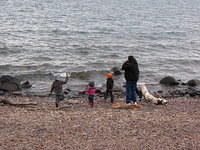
86, 90
66, 78
112, 84
125, 65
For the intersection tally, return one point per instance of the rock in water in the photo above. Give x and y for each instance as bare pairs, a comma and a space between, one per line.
26, 85
9, 83
193, 82
116, 71
169, 81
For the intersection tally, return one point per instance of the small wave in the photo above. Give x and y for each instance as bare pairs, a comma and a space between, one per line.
147, 37
5, 67
42, 75
79, 32
158, 46
41, 58
10, 50
24, 68
110, 56
103, 30
84, 50
60, 32
176, 33
84, 75
4, 51
3, 48
37, 75
183, 61
15, 68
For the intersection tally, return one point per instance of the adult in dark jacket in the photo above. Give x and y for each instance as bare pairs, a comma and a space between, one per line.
131, 75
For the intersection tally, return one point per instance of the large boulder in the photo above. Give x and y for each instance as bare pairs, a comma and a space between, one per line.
193, 82
9, 83
169, 81
116, 71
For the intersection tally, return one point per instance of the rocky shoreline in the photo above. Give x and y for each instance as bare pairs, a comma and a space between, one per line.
168, 87
35, 123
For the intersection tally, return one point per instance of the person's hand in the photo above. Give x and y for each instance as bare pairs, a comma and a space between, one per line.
68, 75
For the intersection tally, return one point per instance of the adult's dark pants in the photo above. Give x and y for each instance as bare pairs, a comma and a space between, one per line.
131, 87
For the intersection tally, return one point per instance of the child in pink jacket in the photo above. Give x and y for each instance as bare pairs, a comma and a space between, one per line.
91, 91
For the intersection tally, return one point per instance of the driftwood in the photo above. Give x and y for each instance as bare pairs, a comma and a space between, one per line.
121, 105
150, 97
9, 103
71, 101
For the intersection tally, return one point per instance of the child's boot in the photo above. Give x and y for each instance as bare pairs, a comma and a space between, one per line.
91, 104
57, 103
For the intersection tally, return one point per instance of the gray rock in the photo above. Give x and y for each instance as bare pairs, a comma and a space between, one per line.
26, 85
9, 83
169, 81
193, 82
116, 71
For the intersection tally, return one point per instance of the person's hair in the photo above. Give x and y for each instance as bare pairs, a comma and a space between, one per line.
132, 59
91, 83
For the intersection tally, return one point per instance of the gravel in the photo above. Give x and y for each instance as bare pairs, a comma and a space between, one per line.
175, 126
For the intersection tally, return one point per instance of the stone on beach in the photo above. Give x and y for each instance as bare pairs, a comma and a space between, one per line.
116, 71
9, 83
193, 82
169, 81
26, 85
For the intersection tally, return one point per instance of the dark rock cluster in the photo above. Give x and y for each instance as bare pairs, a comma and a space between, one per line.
177, 88
10, 84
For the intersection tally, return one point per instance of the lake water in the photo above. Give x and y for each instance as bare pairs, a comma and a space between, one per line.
39, 38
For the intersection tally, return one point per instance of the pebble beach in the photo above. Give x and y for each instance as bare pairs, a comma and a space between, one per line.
73, 126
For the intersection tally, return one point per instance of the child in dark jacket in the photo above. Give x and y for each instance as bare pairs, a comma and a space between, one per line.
57, 88
91, 91
109, 87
